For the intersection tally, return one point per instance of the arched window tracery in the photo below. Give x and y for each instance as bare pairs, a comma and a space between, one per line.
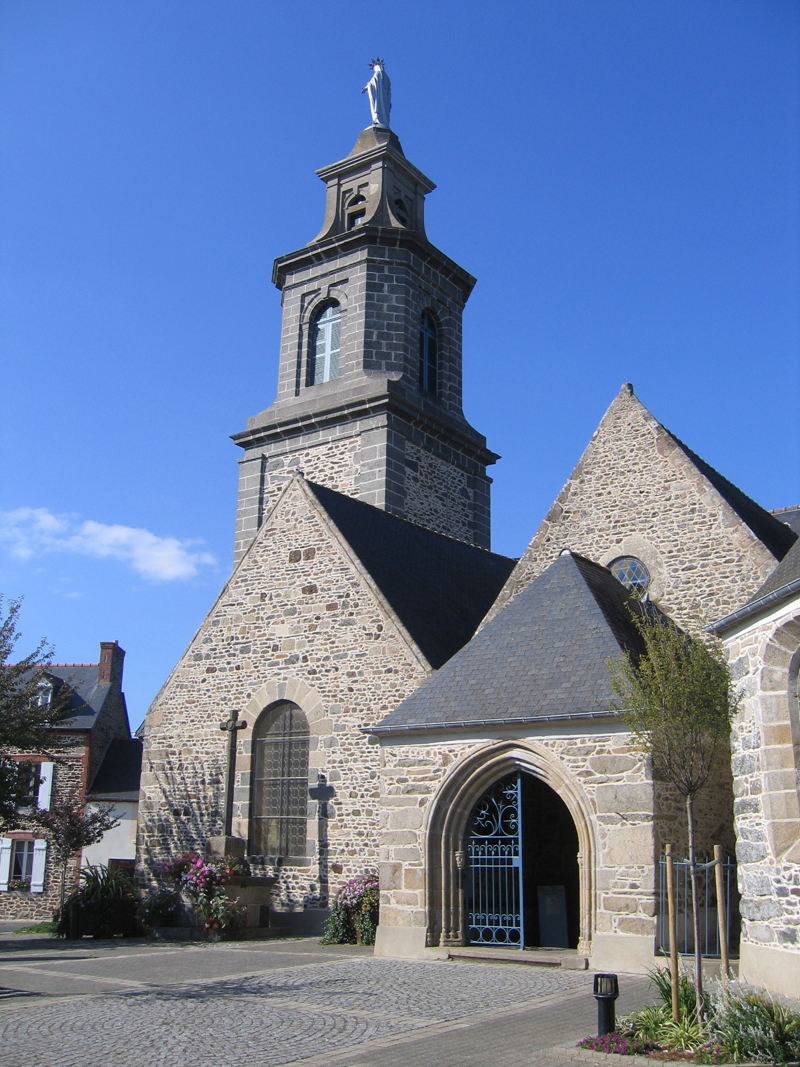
279, 802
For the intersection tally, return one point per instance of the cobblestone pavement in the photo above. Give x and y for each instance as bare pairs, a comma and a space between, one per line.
297, 1004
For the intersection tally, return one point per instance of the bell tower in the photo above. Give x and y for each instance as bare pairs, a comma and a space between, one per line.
369, 383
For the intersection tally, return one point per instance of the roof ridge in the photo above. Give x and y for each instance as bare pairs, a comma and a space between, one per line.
742, 503
407, 522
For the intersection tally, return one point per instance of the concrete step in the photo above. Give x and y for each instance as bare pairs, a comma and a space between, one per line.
566, 959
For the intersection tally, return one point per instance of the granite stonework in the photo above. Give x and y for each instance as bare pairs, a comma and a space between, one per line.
636, 492
764, 654
299, 620
431, 784
372, 432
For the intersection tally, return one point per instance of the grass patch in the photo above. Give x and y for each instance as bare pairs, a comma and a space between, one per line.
37, 928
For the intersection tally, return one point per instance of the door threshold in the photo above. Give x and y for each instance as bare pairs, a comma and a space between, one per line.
566, 959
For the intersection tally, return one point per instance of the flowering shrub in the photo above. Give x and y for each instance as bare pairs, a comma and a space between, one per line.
203, 881
354, 913
223, 916
616, 1042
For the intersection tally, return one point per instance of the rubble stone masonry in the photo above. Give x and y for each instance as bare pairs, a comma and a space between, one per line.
298, 620
764, 655
636, 492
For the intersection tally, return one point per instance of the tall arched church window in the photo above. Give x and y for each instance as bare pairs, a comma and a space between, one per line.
324, 361
632, 573
279, 801
428, 354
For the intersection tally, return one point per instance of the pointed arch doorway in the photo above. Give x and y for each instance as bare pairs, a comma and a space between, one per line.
522, 867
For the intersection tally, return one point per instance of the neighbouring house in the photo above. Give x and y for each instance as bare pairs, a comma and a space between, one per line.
762, 642
96, 718
116, 784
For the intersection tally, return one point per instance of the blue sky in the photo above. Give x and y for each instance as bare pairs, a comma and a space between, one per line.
622, 179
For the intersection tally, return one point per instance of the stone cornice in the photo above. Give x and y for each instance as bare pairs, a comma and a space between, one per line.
281, 427
328, 250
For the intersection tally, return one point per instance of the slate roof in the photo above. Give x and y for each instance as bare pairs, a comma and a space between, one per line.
543, 657
118, 775
787, 571
789, 516
439, 588
776, 535
88, 696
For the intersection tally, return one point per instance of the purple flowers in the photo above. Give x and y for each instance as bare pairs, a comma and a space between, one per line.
614, 1042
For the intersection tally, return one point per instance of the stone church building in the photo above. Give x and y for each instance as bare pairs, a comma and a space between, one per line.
413, 703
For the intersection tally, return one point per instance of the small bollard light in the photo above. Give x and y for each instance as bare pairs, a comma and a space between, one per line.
606, 991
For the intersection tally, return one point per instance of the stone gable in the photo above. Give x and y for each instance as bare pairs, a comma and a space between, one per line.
299, 620
635, 492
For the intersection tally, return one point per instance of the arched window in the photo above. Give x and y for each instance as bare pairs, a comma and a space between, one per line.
356, 212
323, 366
400, 211
427, 354
280, 783
632, 573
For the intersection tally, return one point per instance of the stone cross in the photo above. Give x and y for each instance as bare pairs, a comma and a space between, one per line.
231, 725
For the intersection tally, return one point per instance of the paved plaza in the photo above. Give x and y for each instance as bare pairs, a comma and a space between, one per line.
282, 1003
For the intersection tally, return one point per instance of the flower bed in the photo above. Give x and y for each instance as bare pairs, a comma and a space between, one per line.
742, 1026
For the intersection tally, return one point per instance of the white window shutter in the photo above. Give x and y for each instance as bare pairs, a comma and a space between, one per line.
37, 874
45, 786
5, 863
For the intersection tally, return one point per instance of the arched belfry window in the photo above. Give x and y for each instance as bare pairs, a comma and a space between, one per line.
428, 354
324, 361
632, 573
279, 802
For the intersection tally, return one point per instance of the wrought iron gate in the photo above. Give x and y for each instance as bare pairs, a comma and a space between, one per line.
494, 872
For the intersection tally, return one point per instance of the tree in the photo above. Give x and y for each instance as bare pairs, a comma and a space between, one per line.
678, 700
69, 830
25, 719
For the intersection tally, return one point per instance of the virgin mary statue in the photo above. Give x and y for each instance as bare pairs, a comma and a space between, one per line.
380, 94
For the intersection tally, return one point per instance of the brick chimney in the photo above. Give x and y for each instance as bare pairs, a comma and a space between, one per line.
109, 671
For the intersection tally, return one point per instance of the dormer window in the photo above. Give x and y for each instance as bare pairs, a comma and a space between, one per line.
323, 365
400, 212
356, 212
427, 355
45, 697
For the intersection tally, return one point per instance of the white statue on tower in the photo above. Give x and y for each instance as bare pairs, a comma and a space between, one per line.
380, 94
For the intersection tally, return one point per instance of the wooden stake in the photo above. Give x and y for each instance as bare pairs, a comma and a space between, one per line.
722, 917
673, 934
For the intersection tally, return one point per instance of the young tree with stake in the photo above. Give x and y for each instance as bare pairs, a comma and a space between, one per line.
678, 700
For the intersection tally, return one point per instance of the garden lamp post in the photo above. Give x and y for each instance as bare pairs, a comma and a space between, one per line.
606, 991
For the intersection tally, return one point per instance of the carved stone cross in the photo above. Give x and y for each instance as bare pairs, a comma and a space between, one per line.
231, 725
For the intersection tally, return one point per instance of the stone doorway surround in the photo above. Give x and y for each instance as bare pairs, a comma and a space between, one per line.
447, 830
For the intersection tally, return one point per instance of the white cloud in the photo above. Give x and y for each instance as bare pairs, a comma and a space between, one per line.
30, 532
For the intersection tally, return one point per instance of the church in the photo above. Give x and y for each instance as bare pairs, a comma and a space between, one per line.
405, 700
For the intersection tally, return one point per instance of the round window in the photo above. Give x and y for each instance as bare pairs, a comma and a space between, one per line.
632, 573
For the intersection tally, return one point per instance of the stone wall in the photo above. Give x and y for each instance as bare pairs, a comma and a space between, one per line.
350, 434
635, 492
298, 620
437, 495
69, 777
764, 656
603, 781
